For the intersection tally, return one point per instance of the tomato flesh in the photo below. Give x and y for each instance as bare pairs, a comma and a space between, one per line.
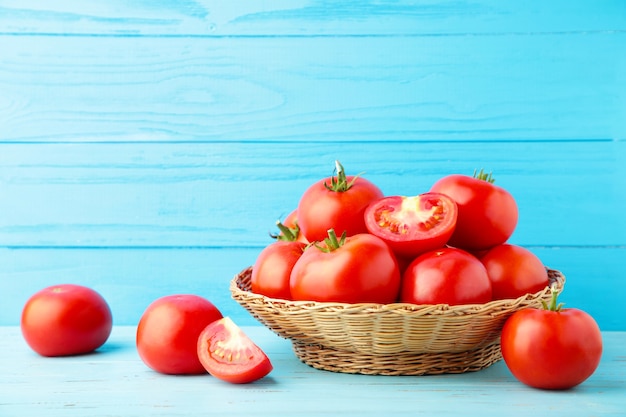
227, 353
412, 225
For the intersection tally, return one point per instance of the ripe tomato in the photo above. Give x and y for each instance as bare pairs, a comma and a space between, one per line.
336, 203
227, 353
412, 225
446, 276
553, 348
514, 271
272, 269
66, 319
168, 332
356, 269
487, 213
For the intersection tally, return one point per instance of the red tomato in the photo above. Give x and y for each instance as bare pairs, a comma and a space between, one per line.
412, 225
66, 319
271, 271
168, 332
552, 348
356, 269
514, 271
446, 276
487, 213
336, 203
227, 353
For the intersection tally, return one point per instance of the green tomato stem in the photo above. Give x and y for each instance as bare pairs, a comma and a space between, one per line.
482, 175
340, 183
286, 234
553, 306
332, 243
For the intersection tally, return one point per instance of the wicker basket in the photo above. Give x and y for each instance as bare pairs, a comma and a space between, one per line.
388, 339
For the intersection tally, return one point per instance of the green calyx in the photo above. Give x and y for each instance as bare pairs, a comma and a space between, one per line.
339, 183
554, 305
287, 234
332, 243
483, 176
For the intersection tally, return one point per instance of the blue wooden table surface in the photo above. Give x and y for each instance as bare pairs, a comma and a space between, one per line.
114, 382
147, 148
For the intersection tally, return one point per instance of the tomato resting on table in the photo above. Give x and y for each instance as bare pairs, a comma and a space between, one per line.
553, 348
167, 333
514, 271
336, 203
487, 213
227, 353
66, 319
355, 269
412, 225
446, 276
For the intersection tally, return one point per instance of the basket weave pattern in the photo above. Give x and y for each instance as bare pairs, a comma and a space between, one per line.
391, 339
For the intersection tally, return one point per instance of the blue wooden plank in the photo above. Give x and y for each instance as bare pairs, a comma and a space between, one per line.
305, 18
130, 279
230, 194
505, 87
115, 382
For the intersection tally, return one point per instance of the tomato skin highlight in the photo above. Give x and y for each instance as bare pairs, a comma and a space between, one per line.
167, 333
412, 225
363, 270
552, 350
445, 276
227, 353
487, 216
66, 319
514, 271
272, 269
321, 209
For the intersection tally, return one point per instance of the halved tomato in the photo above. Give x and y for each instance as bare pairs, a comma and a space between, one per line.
412, 225
227, 353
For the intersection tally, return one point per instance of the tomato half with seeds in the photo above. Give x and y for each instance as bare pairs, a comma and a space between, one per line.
412, 225
227, 353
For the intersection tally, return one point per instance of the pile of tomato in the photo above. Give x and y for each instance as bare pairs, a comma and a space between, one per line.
348, 242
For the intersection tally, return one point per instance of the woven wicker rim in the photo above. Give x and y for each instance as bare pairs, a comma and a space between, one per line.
240, 289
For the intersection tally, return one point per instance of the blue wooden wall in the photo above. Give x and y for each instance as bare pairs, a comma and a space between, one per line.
146, 148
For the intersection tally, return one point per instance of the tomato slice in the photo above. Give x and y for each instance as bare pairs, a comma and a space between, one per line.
413, 225
227, 353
